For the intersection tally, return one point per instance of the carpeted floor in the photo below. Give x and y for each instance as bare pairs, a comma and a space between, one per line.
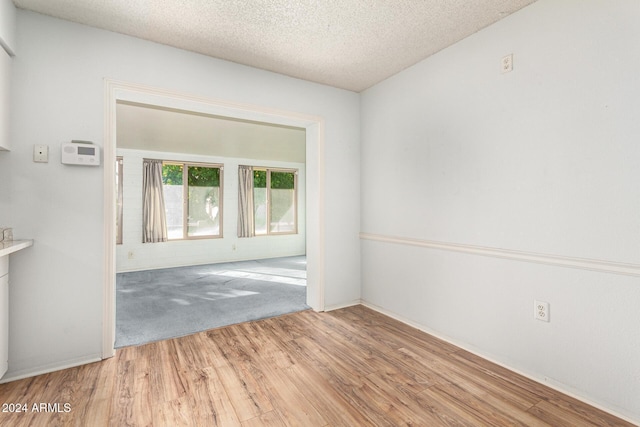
159, 304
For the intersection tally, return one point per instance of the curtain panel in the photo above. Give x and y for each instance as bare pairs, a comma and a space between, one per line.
245, 201
154, 220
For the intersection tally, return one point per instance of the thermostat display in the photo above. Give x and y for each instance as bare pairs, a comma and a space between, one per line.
76, 153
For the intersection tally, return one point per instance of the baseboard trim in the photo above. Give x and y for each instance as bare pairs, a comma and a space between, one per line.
345, 305
28, 373
206, 262
548, 259
544, 381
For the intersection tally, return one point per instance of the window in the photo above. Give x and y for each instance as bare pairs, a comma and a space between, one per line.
275, 201
193, 200
118, 200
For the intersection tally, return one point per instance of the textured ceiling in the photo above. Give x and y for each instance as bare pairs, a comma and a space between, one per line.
350, 44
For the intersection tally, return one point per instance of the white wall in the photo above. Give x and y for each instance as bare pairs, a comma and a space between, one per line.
56, 294
7, 26
544, 159
5, 190
201, 251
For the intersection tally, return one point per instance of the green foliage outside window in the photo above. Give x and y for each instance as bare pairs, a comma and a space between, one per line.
172, 174
203, 176
259, 179
198, 176
283, 180
279, 180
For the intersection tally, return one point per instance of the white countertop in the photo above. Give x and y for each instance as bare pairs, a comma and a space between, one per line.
12, 246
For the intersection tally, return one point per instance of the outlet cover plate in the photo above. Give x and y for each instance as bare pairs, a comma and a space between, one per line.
541, 310
507, 63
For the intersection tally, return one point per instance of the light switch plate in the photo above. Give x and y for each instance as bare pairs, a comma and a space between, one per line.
41, 153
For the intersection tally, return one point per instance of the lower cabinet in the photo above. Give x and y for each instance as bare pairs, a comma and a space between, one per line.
4, 314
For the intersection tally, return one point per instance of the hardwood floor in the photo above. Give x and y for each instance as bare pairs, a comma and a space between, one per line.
349, 367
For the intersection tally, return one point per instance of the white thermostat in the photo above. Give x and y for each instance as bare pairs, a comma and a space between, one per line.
82, 153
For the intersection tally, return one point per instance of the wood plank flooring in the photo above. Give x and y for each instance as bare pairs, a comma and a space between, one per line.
349, 367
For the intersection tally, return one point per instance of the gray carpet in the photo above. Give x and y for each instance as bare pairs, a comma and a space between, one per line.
160, 304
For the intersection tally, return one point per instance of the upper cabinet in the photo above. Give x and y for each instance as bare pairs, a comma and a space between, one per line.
8, 26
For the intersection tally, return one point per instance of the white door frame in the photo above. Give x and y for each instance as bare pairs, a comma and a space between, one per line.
121, 91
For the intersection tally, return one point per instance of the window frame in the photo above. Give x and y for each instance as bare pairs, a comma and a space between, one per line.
185, 200
268, 171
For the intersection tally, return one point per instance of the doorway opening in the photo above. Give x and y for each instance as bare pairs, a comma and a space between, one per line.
118, 92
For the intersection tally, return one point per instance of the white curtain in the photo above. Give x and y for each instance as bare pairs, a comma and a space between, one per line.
245, 201
154, 220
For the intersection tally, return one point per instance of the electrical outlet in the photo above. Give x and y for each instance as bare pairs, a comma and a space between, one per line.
541, 310
41, 153
130, 255
507, 63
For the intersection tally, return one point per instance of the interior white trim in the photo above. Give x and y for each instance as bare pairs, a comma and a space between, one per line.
341, 306
109, 286
47, 369
557, 260
314, 125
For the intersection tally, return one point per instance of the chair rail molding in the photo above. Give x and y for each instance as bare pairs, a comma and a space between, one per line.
556, 260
